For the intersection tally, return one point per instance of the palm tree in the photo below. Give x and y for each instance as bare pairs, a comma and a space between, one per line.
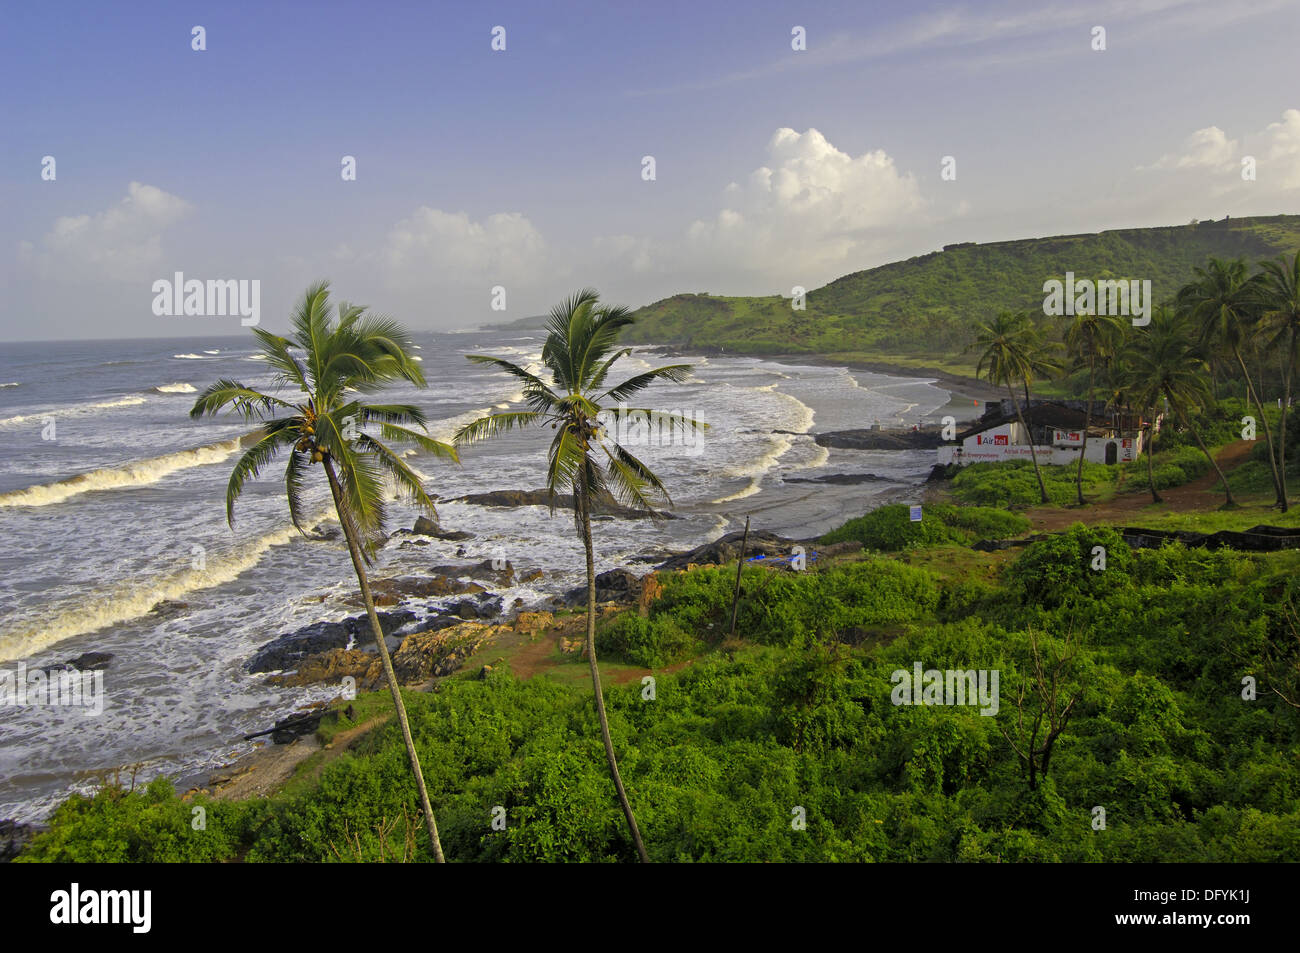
1092, 337
1224, 302
579, 352
1167, 365
1279, 297
1005, 347
358, 354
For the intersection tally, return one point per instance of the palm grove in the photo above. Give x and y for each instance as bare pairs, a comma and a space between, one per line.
358, 353
1226, 331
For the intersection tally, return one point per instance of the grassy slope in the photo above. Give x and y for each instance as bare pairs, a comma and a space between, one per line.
921, 310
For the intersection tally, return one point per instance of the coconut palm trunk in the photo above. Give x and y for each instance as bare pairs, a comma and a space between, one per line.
1196, 435
1087, 422
1150, 448
1263, 419
1042, 487
390, 676
583, 502
1288, 372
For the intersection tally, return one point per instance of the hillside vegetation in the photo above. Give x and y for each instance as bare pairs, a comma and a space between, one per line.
928, 305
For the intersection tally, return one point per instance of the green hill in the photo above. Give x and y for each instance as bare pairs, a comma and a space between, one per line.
921, 311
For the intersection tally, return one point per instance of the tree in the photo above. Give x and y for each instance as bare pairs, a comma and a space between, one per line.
579, 352
1224, 302
1091, 338
1279, 298
357, 355
1005, 347
1166, 364
1041, 699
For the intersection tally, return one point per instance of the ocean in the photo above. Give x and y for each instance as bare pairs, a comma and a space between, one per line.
113, 533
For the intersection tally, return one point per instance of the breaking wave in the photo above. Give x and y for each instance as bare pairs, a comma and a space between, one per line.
115, 478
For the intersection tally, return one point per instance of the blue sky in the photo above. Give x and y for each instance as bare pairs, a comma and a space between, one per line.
523, 168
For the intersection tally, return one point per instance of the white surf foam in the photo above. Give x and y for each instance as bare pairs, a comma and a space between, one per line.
75, 409
114, 478
130, 599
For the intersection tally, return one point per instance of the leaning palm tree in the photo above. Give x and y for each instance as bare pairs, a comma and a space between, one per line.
579, 351
1091, 339
1224, 301
1167, 365
1005, 358
1279, 298
359, 354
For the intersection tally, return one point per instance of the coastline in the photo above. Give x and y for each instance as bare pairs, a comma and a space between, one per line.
774, 508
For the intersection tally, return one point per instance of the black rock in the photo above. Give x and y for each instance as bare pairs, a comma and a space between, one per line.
89, 661
288, 650
14, 837
726, 549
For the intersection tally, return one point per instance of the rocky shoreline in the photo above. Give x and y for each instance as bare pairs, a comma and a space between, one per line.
431, 646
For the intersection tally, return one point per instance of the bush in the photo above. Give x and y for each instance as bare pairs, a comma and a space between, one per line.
1014, 483
651, 643
1059, 568
150, 826
890, 528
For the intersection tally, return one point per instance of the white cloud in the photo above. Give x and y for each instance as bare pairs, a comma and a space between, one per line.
433, 246
121, 243
811, 209
1282, 154
1211, 155
1208, 148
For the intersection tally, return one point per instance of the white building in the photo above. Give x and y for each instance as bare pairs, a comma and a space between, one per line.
1057, 436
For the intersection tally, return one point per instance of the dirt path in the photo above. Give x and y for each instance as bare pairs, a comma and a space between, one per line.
265, 770
1199, 495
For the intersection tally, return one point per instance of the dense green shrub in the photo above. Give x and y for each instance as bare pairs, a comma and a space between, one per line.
1014, 483
653, 642
151, 825
1061, 567
890, 528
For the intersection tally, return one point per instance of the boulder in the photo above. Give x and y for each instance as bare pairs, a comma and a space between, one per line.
14, 837
391, 592
725, 549
616, 585
601, 507
287, 651
426, 655
90, 661
485, 571
532, 622
331, 666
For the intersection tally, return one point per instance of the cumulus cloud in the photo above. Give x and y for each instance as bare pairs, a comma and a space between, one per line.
1282, 150
122, 243
1208, 148
811, 209
435, 246
1210, 154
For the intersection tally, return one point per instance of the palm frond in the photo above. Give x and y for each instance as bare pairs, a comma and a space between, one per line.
244, 400
494, 424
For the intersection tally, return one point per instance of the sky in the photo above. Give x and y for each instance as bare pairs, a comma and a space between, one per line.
492, 183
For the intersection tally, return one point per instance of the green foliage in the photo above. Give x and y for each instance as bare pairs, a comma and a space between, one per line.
653, 642
926, 305
1187, 769
150, 826
890, 529
1013, 483
1059, 568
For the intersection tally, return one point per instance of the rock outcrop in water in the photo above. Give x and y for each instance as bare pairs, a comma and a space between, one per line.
542, 497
